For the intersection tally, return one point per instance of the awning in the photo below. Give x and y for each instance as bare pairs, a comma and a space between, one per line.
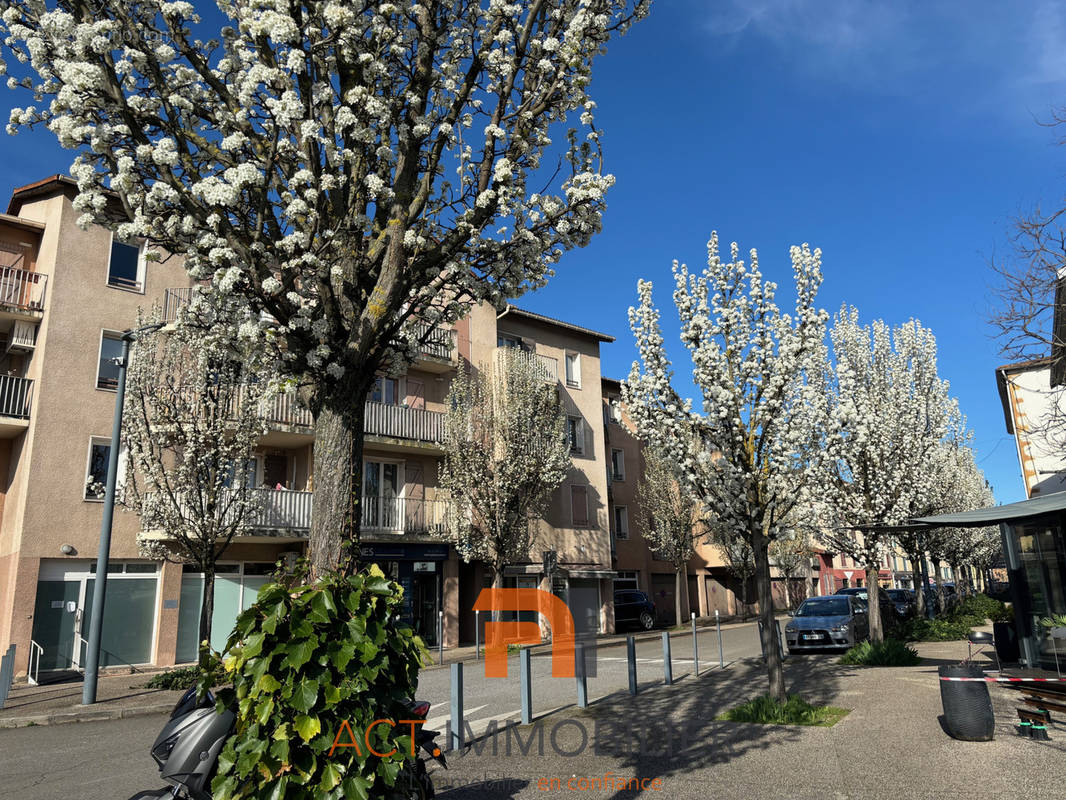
1046, 504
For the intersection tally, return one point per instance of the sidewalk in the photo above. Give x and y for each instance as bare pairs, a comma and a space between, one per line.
891, 744
118, 696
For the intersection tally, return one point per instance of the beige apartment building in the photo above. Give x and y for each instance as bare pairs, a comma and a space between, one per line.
66, 295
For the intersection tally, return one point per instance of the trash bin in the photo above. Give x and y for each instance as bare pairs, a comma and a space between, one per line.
1006, 642
967, 704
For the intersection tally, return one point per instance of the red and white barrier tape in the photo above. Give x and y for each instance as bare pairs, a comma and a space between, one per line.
1007, 680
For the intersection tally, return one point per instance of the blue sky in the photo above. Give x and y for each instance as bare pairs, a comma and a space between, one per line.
899, 137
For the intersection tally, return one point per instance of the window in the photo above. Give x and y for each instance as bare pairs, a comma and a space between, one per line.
386, 390
575, 434
236, 475
107, 370
126, 268
506, 340
627, 579
579, 506
621, 522
614, 408
573, 370
618, 465
96, 473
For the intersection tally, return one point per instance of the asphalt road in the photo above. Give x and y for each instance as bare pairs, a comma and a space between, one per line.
110, 760
499, 699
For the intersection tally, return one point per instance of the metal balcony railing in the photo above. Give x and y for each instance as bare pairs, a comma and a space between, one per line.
21, 289
16, 396
440, 343
546, 366
403, 514
283, 511
404, 422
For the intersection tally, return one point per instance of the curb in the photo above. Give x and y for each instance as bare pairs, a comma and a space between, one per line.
84, 716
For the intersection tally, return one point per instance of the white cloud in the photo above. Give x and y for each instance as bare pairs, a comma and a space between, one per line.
977, 55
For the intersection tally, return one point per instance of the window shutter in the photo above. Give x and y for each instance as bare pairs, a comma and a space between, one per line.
579, 506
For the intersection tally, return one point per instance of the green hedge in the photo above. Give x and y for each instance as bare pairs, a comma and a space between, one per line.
889, 653
935, 630
180, 678
309, 666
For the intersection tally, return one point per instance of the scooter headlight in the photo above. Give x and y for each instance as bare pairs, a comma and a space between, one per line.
161, 752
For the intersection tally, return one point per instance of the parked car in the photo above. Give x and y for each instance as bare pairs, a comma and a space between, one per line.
904, 600
889, 617
632, 607
837, 621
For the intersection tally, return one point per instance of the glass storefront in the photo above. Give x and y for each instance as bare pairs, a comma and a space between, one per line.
236, 588
1042, 568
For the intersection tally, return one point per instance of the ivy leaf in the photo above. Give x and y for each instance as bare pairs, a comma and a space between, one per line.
299, 653
304, 696
253, 645
342, 655
357, 786
331, 776
267, 684
307, 727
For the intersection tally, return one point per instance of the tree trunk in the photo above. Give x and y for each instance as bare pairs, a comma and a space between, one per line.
207, 611
939, 584
497, 583
338, 476
873, 608
763, 587
677, 596
916, 584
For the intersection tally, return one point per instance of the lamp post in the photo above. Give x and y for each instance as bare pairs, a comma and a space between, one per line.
103, 552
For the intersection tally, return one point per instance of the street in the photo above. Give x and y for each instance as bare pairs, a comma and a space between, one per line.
110, 760
498, 699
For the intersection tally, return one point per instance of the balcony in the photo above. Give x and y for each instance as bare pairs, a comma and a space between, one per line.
547, 367
438, 352
16, 399
287, 514
22, 292
403, 515
403, 428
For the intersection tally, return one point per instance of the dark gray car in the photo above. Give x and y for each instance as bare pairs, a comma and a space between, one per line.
837, 621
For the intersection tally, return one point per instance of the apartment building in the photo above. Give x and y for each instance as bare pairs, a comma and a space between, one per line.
709, 585
65, 297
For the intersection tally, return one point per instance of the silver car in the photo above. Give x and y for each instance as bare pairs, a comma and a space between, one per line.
837, 620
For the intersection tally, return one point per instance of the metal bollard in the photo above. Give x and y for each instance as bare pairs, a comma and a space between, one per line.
668, 667
718, 625
477, 636
527, 686
631, 657
456, 724
440, 636
695, 647
579, 671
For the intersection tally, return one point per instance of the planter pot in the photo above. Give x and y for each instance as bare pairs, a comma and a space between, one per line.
967, 705
1006, 642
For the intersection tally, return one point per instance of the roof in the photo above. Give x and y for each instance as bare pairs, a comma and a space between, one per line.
1024, 509
614, 383
25, 224
48, 185
521, 312
1001, 383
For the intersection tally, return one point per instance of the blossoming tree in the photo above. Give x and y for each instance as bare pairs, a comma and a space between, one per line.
191, 419
759, 371
505, 452
671, 514
889, 411
359, 173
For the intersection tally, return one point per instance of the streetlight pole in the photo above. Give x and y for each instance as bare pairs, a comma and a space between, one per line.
103, 552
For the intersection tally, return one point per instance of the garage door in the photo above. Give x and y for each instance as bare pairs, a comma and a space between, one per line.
584, 602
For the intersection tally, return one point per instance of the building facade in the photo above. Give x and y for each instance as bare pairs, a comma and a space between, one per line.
66, 295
